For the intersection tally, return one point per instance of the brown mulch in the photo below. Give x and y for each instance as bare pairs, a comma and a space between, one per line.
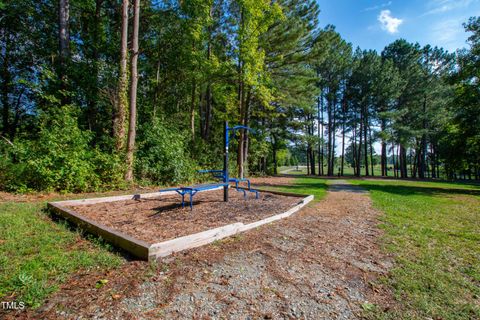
321, 263
158, 219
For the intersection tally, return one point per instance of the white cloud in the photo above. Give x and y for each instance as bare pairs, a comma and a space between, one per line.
389, 23
442, 6
380, 6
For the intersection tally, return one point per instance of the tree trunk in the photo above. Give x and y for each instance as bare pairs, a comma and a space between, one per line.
192, 109
423, 152
354, 146
94, 86
365, 130
434, 161
403, 162
133, 92
245, 134
383, 157
343, 149
334, 129
64, 45
120, 112
274, 155
394, 161
319, 129
6, 80
344, 112
359, 153
308, 159
329, 145
322, 140
371, 149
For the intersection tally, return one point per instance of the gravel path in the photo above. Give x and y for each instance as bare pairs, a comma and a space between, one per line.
321, 263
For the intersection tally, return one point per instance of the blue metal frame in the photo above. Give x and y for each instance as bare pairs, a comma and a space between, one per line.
220, 174
249, 189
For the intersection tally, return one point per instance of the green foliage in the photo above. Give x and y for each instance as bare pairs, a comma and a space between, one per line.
163, 155
60, 158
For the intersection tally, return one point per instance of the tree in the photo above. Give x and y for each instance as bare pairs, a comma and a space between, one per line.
63, 40
121, 102
132, 123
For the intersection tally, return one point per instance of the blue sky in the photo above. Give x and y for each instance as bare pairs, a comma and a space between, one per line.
373, 24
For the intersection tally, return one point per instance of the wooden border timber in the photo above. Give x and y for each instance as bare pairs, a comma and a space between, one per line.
147, 251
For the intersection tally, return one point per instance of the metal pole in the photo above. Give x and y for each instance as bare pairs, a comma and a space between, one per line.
225, 162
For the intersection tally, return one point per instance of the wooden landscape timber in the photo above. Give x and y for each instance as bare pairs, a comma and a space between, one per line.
148, 251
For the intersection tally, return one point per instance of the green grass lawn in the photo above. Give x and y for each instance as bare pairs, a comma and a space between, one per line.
433, 229
306, 185
37, 254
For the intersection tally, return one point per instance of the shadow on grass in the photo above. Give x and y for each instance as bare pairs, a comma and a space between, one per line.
93, 238
418, 190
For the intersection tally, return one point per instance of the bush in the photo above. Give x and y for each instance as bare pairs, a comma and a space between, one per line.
60, 159
162, 155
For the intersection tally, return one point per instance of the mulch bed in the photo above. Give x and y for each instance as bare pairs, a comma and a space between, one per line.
160, 219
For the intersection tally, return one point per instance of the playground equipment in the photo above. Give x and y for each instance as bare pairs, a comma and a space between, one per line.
223, 175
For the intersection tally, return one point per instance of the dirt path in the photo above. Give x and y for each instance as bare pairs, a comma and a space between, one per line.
318, 264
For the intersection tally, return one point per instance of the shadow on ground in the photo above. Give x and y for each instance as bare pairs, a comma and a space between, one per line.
419, 190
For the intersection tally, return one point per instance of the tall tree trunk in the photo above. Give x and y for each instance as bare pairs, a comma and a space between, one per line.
6, 82
423, 154
94, 86
322, 140
330, 129
319, 129
359, 153
394, 161
371, 149
64, 44
334, 129
245, 134
274, 154
241, 94
383, 157
120, 112
365, 130
403, 162
208, 93
354, 145
307, 154
133, 92
192, 108
344, 115
434, 161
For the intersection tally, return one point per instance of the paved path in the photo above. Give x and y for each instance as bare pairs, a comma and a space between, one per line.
345, 186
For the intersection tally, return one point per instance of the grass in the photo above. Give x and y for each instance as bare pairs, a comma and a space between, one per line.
433, 230
37, 254
347, 170
306, 185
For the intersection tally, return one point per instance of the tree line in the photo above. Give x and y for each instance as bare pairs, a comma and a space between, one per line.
97, 94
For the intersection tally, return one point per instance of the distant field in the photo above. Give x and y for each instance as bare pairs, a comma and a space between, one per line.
347, 170
433, 229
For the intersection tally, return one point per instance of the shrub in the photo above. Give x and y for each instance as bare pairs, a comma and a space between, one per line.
162, 155
60, 158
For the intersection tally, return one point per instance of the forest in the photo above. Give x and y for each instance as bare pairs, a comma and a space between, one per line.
98, 94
